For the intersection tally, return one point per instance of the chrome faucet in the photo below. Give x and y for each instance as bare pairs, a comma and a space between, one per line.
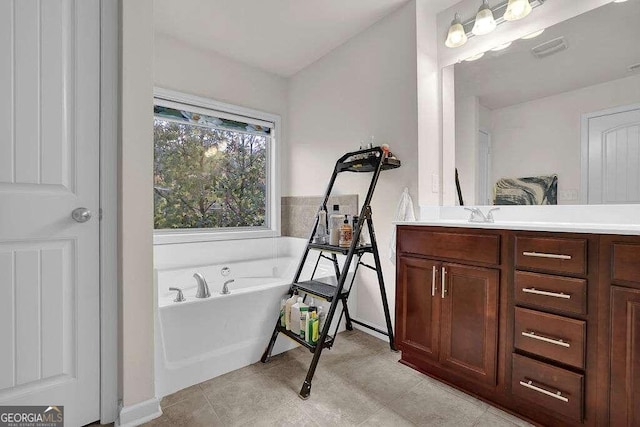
225, 288
180, 296
478, 216
203, 288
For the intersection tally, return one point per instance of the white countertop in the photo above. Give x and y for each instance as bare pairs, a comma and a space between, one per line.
595, 228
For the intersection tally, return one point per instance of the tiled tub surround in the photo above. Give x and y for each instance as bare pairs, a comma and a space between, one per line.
299, 213
358, 382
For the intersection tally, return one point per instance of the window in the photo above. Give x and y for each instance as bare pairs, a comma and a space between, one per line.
213, 169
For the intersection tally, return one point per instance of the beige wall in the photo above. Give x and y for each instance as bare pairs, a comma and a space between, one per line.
365, 87
135, 239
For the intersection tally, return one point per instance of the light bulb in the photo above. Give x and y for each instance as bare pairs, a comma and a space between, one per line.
457, 36
533, 35
485, 23
517, 9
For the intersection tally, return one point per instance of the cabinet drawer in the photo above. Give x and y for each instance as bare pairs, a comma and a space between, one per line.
484, 248
547, 335
550, 388
626, 262
552, 254
554, 292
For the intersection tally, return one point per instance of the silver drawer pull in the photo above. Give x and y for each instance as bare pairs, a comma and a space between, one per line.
543, 255
546, 293
533, 335
433, 281
557, 395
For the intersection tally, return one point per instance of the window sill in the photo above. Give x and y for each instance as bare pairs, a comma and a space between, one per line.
177, 237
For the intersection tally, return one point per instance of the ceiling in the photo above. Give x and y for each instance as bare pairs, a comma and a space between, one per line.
603, 43
279, 36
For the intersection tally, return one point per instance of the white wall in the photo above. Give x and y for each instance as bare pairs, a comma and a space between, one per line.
135, 240
365, 87
543, 136
186, 68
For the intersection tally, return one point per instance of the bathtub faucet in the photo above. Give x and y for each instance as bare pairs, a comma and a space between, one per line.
203, 288
225, 289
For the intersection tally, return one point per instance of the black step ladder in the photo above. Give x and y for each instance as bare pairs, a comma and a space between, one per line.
369, 160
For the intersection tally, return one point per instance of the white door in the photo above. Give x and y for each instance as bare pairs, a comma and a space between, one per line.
49, 129
613, 156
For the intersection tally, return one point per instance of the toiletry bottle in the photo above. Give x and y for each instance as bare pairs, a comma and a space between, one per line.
335, 220
309, 321
321, 230
346, 233
321, 318
314, 328
304, 309
283, 303
287, 310
295, 317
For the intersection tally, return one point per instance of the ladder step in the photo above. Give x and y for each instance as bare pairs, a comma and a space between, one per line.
328, 343
318, 289
338, 249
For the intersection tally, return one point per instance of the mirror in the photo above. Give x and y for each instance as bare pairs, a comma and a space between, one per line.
553, 119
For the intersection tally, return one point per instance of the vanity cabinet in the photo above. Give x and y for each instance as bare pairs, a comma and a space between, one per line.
448, 312
543, 325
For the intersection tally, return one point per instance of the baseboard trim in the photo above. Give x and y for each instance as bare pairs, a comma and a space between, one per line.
140, 413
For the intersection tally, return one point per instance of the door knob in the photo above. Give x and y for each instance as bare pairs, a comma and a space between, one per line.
81, 214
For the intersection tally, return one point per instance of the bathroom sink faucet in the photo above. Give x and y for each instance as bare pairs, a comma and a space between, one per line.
478, 216
203, 288
225, 288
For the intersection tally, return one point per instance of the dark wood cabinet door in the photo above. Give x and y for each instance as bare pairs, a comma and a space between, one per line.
417, 309
625, 357
469, 328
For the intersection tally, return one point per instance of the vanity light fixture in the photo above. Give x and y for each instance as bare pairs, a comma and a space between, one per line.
533, 35
501, 47
517, 9
456, 36
475, 57
485, 23
488, 18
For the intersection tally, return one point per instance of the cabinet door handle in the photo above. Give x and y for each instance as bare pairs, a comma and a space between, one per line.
544, 255
531, 334
444, 281
433, 281
557, 395
546, 293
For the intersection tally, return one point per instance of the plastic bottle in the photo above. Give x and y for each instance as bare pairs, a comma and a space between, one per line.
308, 324
346, 233
295, 315
321, 229
283, 322
314, 329
335, 220
321, 318
287, 310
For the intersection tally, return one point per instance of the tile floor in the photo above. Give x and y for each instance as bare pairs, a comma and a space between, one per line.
358, 382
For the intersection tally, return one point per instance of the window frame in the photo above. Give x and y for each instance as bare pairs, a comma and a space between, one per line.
272, 227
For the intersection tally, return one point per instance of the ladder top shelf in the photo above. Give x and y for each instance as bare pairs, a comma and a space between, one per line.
366, 161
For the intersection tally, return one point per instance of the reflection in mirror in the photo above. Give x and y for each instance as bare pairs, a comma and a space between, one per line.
554, 119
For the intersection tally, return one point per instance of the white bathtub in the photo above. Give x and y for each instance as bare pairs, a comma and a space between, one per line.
199, 339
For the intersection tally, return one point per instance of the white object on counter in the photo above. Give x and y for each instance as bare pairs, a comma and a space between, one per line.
404, 213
